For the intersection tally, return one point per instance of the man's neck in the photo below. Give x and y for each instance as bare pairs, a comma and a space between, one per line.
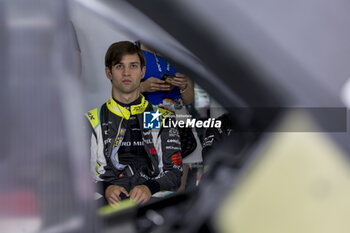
126, 98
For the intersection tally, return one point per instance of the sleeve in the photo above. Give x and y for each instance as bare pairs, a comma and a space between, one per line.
170, 160
213, 136
92, 143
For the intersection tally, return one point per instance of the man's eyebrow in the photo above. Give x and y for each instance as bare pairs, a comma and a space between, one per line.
133, 62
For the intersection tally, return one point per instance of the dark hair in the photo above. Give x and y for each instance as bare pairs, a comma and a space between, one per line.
117, 50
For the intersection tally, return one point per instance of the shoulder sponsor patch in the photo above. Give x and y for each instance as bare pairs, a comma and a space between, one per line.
176, 141
172, 148
176, 159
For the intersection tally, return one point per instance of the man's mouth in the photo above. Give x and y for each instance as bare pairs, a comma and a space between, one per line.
126, 81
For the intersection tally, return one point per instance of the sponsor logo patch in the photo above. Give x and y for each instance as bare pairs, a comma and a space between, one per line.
176, 159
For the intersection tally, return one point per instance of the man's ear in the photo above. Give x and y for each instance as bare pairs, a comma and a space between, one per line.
143, 72
108, 73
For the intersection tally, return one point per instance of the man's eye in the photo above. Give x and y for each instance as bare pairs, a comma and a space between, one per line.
134, 66
119, 66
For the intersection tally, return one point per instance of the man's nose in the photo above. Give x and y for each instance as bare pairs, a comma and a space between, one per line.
126, 70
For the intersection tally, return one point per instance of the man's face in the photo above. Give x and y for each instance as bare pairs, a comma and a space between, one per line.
127, 74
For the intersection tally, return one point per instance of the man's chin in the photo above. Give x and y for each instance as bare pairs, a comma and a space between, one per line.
129, 90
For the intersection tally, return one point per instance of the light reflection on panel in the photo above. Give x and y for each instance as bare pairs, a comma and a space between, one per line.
298, 182
43, 182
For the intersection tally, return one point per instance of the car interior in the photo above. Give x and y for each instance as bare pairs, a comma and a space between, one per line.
273, 69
